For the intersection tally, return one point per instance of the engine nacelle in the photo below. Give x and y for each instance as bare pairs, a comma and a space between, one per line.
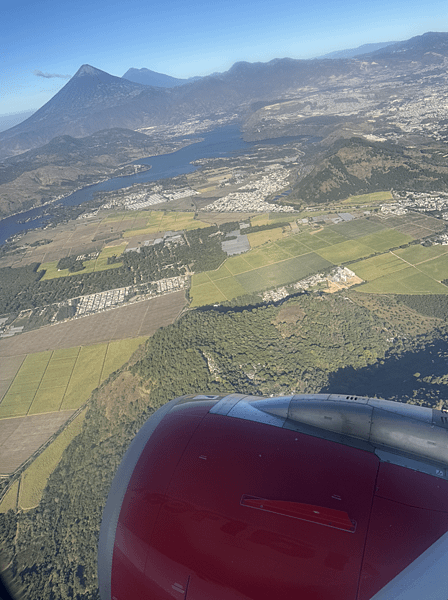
242, 497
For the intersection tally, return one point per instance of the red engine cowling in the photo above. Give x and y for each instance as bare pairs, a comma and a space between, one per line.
236, 497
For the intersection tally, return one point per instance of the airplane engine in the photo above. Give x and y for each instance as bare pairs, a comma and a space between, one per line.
310, 497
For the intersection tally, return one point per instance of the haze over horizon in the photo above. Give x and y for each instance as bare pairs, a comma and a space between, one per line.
43, 45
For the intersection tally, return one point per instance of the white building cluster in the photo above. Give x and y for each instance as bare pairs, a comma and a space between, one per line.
252, 196
132, 199
94, 303
419, 201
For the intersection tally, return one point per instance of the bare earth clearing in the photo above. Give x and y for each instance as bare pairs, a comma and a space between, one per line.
22, 436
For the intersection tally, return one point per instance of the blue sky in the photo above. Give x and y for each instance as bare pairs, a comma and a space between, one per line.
183, 38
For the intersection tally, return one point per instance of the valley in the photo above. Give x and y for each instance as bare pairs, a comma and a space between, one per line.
279, 228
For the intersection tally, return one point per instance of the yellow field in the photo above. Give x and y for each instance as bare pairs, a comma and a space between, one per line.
207, 293
9, 500
34, 478
118, 353
108, 251
159, 221
263, 237
63, 379
374, 198
97, 264
268, 218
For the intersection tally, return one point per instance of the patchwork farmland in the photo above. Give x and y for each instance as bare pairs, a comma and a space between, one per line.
370, 247
40, 390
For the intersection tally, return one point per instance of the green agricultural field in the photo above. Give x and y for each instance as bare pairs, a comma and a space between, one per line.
35, 477
47, 400
261, 279
431, 270
374, 198
58, 372
238, 264
349, 250
182, 220
65, 353
289, 259
14, 406
263, 237
231, 288
51, 270
207, 293
302, 266
330, 236
274, 253
260, 220
282, 273
21, 386
378, 266
383, 240
292, 245
25, 384
437, 268
199, 279
420, 283
416, 253
406, 281
86, 376
119, 352
389, 284
63, 379
257, 258
34, 365
357, 228
108, 251
312, 242
220, 273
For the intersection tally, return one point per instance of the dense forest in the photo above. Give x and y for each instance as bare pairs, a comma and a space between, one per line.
432, 305
306, 344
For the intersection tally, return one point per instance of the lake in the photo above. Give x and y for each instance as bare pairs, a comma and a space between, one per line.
220, 142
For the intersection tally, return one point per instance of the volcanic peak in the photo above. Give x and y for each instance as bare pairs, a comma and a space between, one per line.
88, 70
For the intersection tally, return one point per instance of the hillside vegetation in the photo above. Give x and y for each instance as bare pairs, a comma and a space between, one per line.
358, 166
306, 344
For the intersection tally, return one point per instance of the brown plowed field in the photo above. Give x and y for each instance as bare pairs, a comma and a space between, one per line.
141, 318
22, 436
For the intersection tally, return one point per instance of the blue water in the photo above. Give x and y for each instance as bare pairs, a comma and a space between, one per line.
218, 143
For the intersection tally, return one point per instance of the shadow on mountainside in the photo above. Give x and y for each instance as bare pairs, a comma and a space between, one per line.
419, 377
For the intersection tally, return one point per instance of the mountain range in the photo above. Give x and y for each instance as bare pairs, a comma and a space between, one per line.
148, 77
93, 100
359, 51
